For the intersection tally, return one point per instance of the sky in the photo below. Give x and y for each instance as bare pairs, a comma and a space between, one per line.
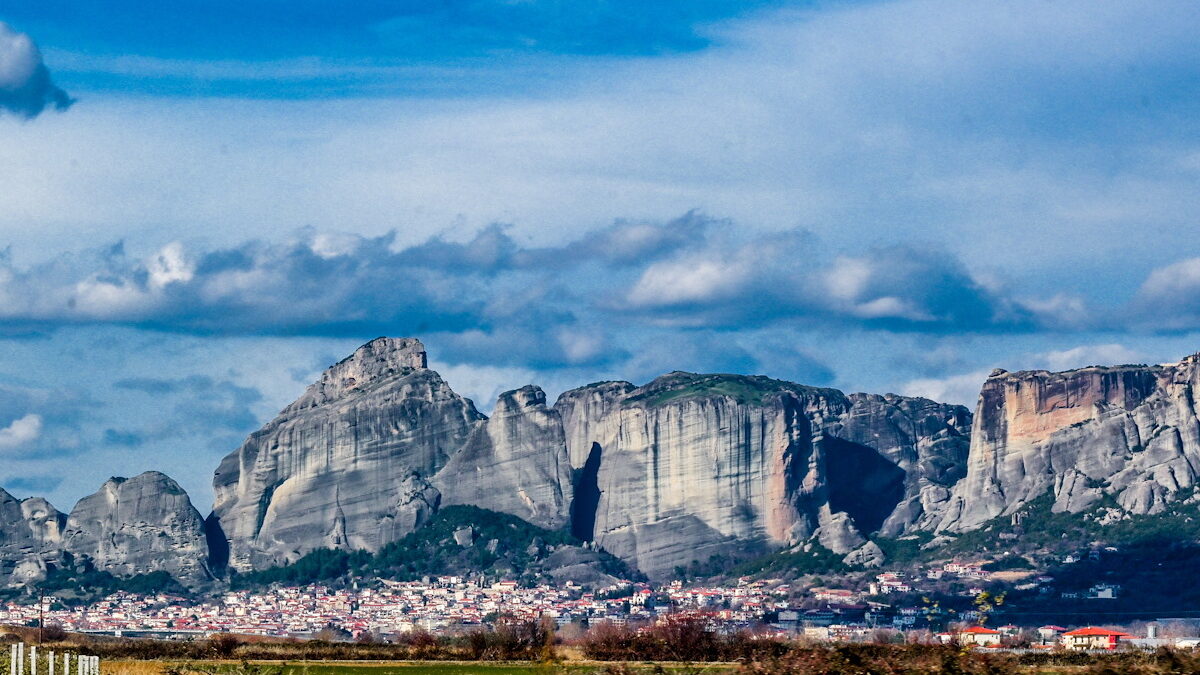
203, 205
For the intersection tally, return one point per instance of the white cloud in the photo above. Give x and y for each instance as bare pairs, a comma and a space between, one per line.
169, 265
25, 86
689, 280
482, 384
1090, 355
19, 59
962, 389
1180, 277
1169, 298
20, 433
876, 122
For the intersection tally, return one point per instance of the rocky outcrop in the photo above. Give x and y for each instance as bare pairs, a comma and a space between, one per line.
140, 525
348, 464
680, 470
30, 538
1127, 433
928, 441
373, 449
515, 463
694, 466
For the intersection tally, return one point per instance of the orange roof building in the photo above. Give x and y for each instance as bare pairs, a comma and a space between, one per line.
1093, 638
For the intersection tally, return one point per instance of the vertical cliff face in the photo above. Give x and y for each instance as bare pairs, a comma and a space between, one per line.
1128, 432
516, 463
373, 449
348, 465
692, 466
139, 525
927, 442
30, 537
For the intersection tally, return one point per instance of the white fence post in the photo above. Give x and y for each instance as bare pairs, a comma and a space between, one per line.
50, 662
12, 660
33, 660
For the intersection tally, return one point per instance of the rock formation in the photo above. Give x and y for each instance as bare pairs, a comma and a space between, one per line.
682, 469
354, 462
1128, 433
516, 463
139, 525
693, 466
928, 441
30, 538
675, 472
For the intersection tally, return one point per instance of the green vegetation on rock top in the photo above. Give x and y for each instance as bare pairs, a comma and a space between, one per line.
745, 389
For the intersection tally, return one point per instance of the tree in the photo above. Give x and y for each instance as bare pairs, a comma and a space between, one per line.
986, 603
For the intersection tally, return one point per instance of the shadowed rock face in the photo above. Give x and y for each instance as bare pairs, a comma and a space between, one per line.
140, 525
516, 463
30, 537
1129, 432
691, 466
927, 441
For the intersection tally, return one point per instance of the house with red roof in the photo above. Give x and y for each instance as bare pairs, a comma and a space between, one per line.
1093, 638
979, 636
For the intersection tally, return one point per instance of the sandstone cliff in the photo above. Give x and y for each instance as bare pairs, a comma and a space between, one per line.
1127, 433
139, 525
30, 537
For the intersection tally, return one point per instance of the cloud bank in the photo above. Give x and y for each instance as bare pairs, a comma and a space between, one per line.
496, 300
555, 304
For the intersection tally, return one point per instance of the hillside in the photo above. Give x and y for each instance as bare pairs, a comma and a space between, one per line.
458, 541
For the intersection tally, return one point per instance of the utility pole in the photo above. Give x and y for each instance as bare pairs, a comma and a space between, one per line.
41, 614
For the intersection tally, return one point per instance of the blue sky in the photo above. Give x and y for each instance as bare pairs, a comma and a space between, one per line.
204, 204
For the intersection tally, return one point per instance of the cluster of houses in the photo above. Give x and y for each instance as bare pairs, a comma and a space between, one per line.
451, 603
1080, 639
397, 607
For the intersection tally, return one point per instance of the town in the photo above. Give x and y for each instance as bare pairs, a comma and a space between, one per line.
381, 609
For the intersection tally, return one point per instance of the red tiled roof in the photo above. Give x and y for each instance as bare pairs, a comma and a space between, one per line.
980, 630
1097, 632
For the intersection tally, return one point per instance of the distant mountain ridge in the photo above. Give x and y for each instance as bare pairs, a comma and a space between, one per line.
687, 468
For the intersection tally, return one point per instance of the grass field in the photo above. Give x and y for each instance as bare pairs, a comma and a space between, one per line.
404, 668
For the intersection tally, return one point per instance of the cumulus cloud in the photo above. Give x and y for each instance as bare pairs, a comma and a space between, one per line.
494, 300
25, 86
786, 275
20, 433
962, 389
1090, 355
1169, 299
493, 249
43, 421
